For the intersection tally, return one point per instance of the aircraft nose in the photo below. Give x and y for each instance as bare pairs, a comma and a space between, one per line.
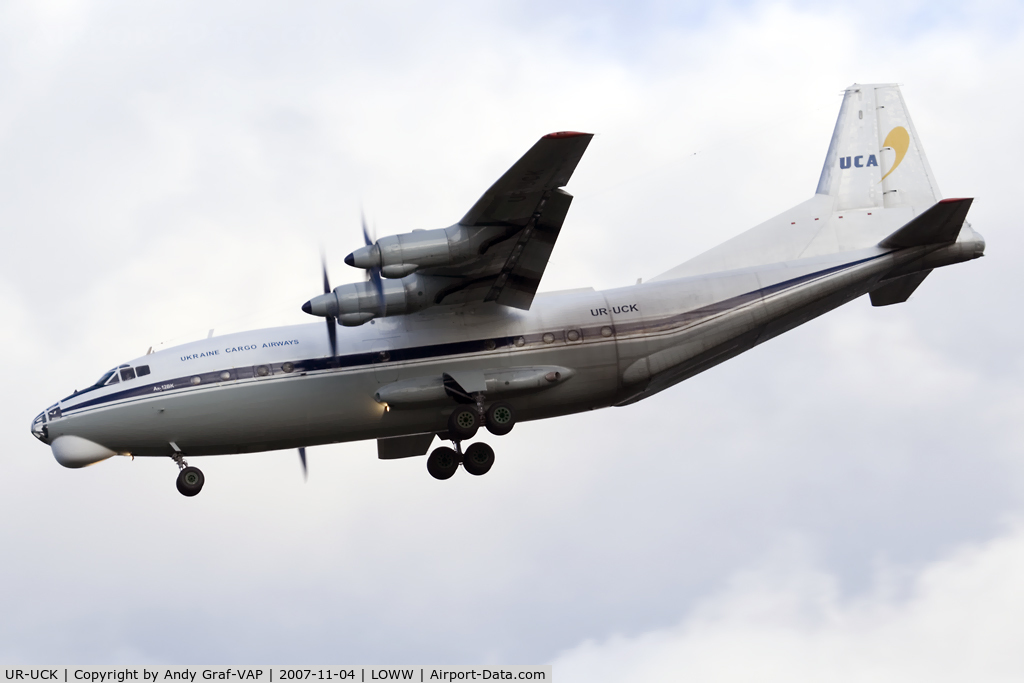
39, 429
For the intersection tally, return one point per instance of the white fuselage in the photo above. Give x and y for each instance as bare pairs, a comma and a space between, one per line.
279, 388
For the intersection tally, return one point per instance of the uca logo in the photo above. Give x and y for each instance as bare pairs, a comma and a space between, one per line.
898, 140
844, 162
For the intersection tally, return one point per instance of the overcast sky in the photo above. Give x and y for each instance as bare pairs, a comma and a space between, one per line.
845, 502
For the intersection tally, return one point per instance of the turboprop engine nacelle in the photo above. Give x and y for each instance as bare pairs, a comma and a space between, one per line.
401, 255
357, 303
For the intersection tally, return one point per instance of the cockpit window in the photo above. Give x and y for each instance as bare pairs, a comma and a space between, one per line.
106, 376
121, 373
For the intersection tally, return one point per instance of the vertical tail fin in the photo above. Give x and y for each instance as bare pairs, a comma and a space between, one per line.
875, 158
875, 162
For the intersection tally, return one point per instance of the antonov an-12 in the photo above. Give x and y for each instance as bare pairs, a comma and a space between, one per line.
447, 334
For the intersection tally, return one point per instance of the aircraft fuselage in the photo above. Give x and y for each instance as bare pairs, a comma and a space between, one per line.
279, 388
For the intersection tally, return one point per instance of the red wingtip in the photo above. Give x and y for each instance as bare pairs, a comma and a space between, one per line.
565, 134
953, 200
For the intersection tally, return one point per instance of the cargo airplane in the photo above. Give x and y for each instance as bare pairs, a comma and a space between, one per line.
447, 334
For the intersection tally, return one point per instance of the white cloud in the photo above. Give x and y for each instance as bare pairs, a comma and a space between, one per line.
960, 618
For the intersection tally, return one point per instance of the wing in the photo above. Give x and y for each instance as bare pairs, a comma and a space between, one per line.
497, 252
513, 227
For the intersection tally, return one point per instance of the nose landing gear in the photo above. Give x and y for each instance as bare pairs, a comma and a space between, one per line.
190, 479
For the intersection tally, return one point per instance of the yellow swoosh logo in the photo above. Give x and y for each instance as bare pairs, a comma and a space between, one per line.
899, 139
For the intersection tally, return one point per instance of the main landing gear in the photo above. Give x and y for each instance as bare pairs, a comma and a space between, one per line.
463, 424
190, 479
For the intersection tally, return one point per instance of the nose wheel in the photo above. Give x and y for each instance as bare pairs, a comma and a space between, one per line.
190, 479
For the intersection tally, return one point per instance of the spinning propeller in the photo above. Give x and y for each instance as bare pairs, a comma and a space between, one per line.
332, 324
374, 277
332, 334
372, 274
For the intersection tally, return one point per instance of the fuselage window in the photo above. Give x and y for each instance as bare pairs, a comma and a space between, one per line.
142, 370
127, 374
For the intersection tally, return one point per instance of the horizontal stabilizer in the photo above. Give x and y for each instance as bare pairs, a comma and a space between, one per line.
939, 224
897, 290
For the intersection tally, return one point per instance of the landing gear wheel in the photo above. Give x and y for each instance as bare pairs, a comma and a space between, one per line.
190, 481
442, 463
500, 419
478, 459
463, 423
